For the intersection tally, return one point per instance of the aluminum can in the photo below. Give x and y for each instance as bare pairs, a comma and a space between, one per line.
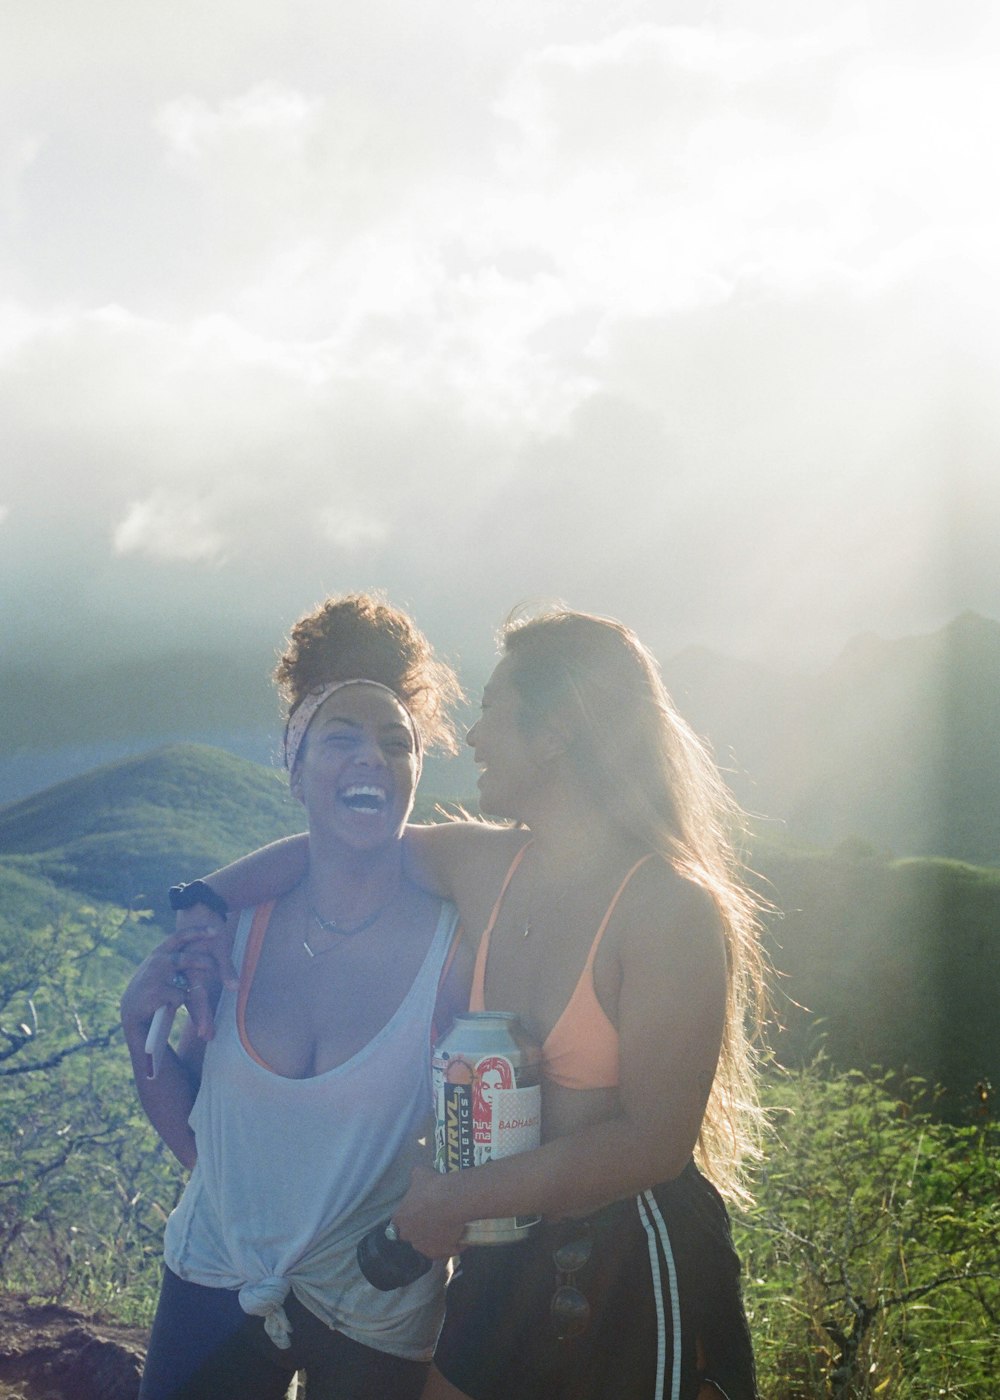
487, 1105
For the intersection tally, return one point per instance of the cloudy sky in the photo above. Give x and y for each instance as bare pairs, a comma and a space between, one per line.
682, 311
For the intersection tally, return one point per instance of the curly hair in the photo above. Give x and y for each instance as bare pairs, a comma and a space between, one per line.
362, 635
655, 780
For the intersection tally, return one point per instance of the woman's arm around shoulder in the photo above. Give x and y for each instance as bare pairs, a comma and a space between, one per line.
264, 874
459, 859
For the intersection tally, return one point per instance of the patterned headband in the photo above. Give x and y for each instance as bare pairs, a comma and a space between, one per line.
301, 718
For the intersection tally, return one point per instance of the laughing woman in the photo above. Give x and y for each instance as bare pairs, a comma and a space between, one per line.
614, 922
300, 1116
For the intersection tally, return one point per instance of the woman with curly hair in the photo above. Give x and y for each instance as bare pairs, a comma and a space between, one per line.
609, 913
300, 1115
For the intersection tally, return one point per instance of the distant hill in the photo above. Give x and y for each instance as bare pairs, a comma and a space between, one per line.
887, 962
897, 743
30, 901
880, 961
125, 831
190, 692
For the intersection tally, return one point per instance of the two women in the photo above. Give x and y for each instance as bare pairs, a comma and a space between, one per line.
301, 1115
610, 916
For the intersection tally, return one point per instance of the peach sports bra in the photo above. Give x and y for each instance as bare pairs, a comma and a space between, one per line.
581, 1049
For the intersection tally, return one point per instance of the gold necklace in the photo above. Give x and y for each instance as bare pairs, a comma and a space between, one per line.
334, 926
529, 919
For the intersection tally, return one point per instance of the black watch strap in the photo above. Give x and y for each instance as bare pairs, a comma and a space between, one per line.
197, 892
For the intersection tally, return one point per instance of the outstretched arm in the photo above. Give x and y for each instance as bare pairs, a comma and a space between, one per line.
264, 874
458, 859
437, 857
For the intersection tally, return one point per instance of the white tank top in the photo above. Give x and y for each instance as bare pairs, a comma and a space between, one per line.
292, 1172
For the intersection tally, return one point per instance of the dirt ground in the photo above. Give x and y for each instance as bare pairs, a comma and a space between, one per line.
51, 1353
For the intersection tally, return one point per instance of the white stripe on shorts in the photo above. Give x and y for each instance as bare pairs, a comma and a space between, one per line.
655, 1227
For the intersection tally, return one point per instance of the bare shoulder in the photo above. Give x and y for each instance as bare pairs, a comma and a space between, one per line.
661, 908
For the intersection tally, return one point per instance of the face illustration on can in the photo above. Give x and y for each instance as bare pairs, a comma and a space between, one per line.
492, 1072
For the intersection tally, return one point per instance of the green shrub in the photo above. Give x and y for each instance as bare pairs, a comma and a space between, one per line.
873, 1252
84, 1184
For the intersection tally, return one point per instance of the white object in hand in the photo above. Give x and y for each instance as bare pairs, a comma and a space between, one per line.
158, 1039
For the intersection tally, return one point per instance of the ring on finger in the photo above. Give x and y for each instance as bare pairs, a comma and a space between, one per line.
180, 981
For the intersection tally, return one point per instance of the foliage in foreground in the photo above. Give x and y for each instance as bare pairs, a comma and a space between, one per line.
872, 1255
85, 1187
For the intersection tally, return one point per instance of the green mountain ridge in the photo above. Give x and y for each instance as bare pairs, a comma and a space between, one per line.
125, 831
897, 742
878, 961
886, 962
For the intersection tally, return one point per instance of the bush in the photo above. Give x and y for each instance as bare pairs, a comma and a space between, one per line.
85, 1186
873, 1253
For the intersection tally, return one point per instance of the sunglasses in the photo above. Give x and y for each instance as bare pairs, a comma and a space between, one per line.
569, 1309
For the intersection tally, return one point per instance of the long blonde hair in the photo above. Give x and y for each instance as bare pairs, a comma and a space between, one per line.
657, 783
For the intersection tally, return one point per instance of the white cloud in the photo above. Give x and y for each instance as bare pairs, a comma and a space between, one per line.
269, 120
170, 528
351, 530
17, 155
20, 326
662, 165
4, 513
552, 312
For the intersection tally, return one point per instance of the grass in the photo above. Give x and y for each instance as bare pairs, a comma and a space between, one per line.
872, 1255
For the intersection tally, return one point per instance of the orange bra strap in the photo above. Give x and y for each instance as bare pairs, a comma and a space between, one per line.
477, 996
588, 965
255, 941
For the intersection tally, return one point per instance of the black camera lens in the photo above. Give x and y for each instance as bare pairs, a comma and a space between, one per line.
389, 1263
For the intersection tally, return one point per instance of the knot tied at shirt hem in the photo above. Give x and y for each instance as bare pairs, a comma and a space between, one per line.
266, 1299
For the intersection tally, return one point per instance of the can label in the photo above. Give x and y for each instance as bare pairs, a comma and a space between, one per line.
483, 1114
488, 1105
457, 1122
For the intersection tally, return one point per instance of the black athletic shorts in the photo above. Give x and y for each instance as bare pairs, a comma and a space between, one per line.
205, 1347
665, 1307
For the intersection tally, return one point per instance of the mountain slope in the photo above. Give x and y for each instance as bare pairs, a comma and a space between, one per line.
126, 830
893, 959
887, 962
898, 742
